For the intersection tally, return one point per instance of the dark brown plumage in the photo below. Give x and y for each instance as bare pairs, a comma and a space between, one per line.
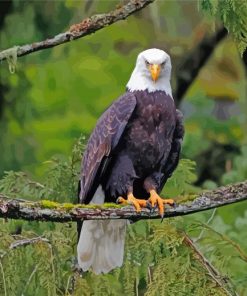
135, 146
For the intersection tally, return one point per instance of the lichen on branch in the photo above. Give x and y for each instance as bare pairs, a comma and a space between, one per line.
52, 211
86, 27
11, 56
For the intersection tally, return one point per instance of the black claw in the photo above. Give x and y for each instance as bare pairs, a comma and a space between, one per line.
149, 206
118, 200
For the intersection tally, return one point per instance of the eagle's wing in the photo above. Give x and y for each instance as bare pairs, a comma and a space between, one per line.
102, 142
172, 161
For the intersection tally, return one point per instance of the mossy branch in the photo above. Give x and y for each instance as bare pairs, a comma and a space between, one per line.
87, 26
51, 211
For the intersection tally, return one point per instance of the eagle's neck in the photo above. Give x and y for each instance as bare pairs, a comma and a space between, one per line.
141, 82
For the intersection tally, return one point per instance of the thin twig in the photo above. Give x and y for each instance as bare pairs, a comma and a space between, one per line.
87, 26
223, 282
149, 275
4, 282
24, 242
53, 267
27, 241
137, 285
242, 254
3, 254
207, 223
30, 278
68, 283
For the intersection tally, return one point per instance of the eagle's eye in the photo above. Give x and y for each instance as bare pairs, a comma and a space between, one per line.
147, 63
163, 64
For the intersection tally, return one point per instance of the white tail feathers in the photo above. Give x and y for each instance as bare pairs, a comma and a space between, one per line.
101, 243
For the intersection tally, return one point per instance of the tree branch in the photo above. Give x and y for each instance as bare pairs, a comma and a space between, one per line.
27, 241
187, 71
56, 212
222, 282
87, 26
194, 61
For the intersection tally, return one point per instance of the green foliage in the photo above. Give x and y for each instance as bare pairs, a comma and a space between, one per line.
239, 170
210, 141
233, 14
157, 261
59, 183
222, 242
57, 94
181, 180
48, 264
17, 184
199, 137
62, 175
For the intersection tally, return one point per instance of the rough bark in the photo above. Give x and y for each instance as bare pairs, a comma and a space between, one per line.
87, 26
50, 211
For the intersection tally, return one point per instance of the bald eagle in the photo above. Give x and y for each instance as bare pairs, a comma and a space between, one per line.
131, 153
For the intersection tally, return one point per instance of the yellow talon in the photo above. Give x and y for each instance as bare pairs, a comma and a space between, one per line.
155, 199
137, 203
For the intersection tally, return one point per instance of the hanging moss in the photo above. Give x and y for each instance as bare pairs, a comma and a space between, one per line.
11, 56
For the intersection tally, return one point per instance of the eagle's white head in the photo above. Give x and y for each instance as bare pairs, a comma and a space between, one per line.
152, 72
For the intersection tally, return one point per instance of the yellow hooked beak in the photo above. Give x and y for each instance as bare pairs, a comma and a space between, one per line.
155, 71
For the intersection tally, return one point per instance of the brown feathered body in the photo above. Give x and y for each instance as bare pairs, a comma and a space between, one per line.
134, 147
146, 141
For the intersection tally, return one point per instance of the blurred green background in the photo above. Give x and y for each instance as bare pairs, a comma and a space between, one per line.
56, 96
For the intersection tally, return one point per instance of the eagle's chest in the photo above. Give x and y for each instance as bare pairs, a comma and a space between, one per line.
150, 131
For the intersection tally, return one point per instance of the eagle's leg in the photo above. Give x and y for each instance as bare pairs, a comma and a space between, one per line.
155, 199
137, 203
151, 184
120, 182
